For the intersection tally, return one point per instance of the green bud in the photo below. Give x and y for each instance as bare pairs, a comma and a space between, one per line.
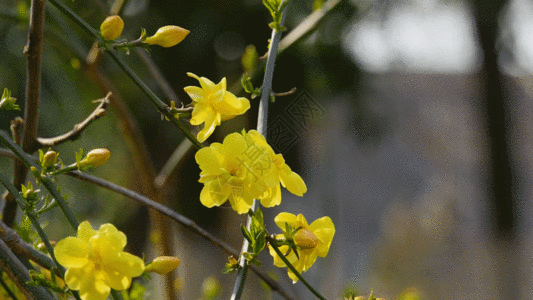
49, 159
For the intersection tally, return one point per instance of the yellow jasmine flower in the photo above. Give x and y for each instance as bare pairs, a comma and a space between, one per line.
168, 36
225, 175
289, 179
213, 104
311, 240
95, 261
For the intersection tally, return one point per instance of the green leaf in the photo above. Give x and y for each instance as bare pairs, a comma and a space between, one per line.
246, 234
7, 102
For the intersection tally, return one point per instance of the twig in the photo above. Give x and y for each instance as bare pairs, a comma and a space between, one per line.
6, 288
262, 118
33, 51
161, 179
18, 273
29, 161
23, 249
98, 112
293, 269
302, 31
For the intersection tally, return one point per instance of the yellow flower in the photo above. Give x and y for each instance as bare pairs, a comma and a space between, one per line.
213, 104
290, 180
95, 261
167, 36
224, 175
111, 28
311, 240
244, 168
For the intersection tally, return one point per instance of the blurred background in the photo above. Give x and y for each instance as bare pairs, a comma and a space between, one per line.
410, 125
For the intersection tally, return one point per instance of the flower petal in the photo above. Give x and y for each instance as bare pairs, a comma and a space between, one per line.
196, 93
283, 218
209, 127
85, 231
324, 230
71, 252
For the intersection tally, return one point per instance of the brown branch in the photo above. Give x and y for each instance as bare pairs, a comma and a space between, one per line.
75, 133
23, 249
33, 51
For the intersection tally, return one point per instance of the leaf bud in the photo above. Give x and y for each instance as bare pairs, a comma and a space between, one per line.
49, 159
112, 27
167, 36
95, 158
163, 265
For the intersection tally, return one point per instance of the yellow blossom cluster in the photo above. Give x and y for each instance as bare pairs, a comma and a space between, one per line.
243, 168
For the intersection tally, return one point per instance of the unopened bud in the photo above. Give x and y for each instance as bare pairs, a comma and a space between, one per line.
49, 159
163, 265
359, 298
95, 158
305, 239
112, 27
167, 36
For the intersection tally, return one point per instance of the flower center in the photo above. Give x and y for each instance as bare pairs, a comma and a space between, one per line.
305, 239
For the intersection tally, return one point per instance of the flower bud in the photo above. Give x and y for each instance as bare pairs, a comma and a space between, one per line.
49, 159
163, 265
112, 27
359, 298
305, 239
168, 36
95, 158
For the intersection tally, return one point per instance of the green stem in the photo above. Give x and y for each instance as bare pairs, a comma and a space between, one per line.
13, 190
262, 129
52, 189
272, 243
160, 105
6, 288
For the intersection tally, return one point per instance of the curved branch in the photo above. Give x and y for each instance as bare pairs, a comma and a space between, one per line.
75, 133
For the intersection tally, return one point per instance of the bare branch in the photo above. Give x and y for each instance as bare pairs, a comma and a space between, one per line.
34, 52
75, 133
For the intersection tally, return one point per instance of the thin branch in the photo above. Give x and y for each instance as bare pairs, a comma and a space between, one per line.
262, 118
6, 288
29, 161
302, 31
34, 53
98, 112
19, 274
293, 269
161, 179
23, 249
156, 101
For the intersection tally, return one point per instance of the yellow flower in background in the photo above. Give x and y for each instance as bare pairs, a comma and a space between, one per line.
311, 240
111, 28
95, 261
213, 104
168, 36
